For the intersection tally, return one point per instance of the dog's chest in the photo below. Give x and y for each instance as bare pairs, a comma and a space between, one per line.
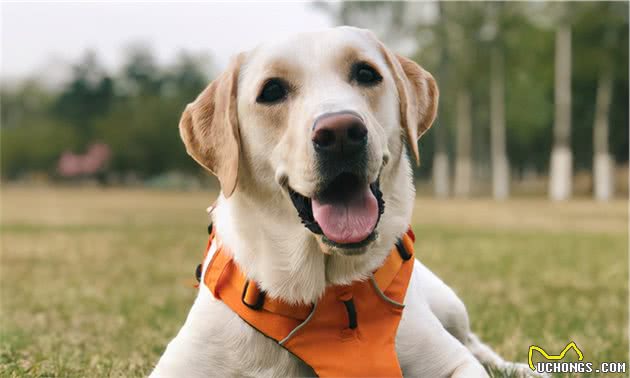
240, 350
243, 351
215, 341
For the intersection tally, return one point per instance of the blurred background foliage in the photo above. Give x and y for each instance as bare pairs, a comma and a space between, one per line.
136, 109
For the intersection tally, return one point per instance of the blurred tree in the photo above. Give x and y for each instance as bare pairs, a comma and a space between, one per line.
560, 175
22, 101
141, 127
603, 27
140, 72
463, 22
581, 89
527, 51
135, 113
463, 156
88, 95
441, 169
187, 77
560, 17
31, 139
500, 164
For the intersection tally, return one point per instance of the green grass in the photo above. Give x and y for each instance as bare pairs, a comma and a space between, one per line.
96, 282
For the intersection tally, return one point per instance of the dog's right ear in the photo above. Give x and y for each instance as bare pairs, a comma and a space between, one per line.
209, 127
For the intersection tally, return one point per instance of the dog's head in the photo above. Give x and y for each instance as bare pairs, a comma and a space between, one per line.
320, 118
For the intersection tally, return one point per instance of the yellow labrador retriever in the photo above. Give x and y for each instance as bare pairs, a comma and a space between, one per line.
307, 138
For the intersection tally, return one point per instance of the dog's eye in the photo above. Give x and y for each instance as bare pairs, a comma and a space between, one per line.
275, 90
364, 74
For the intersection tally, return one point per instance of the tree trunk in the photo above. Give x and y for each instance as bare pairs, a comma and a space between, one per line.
561, 158
602, 161
441, 173
500, 163
463, 160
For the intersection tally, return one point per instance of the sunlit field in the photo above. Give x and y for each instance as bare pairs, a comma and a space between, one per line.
95, 282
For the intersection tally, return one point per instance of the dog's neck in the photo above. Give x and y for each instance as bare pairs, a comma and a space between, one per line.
274, 249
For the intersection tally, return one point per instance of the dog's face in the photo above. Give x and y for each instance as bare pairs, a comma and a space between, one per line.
320, 118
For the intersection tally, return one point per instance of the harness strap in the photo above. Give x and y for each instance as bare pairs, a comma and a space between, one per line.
257, 299
222, 267
388, 271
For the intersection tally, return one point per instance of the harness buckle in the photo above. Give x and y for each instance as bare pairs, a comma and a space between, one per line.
260, 300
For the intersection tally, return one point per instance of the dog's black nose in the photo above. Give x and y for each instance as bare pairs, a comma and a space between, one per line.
339, 135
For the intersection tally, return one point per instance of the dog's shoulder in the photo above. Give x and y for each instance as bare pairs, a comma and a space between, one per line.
214, 341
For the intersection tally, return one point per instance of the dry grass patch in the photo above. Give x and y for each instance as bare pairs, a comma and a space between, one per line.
95, 282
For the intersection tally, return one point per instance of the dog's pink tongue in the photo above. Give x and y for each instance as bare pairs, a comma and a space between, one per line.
350, 221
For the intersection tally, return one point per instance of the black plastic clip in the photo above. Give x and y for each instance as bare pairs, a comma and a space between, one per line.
402, 251
259, 301
198, 273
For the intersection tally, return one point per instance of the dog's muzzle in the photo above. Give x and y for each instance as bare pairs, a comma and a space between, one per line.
345, 208
345, 212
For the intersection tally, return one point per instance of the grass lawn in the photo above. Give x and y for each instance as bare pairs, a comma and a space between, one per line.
96, 282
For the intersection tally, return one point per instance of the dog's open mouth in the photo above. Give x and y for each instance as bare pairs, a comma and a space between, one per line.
346, 212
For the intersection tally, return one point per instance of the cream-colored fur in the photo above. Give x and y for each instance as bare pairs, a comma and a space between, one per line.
262, 229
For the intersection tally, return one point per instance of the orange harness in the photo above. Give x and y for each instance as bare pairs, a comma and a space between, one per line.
350, 331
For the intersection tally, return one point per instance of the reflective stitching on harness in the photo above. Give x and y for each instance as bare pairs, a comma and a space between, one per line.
296, 329
382, 295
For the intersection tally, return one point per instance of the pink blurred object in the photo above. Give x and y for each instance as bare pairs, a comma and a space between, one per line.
93, 161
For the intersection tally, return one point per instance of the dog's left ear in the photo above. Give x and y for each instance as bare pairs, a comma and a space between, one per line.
418, 96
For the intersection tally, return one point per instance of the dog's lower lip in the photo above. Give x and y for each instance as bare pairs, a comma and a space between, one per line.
303, 205
357, 245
